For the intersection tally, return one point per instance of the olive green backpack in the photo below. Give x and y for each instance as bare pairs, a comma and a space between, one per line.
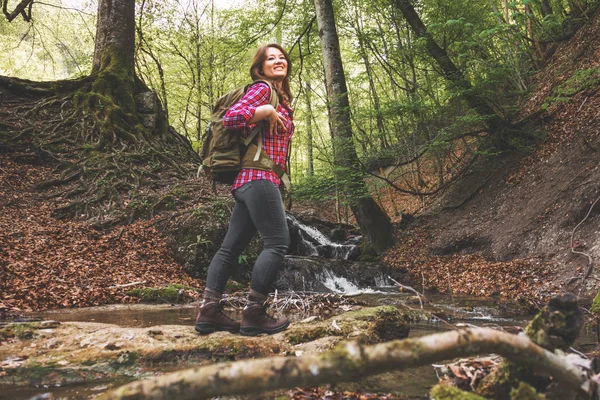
225, 151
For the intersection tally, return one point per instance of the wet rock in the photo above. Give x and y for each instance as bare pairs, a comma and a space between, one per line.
85, 351
557, 325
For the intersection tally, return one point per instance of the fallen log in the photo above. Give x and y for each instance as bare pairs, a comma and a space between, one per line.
350, 361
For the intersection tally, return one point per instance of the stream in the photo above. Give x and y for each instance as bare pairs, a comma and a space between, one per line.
409, 384
318, 264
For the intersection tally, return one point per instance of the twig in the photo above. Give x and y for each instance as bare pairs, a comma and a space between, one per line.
118, 237
408, 288
582, 104
127, 284
590, 260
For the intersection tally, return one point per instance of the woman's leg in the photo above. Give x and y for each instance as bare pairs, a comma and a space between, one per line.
265, 207
239, 233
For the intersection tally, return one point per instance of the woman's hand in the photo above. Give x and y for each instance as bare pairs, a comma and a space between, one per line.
269, 113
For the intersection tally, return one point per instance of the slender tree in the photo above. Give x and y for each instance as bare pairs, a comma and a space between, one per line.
372, 220
309, 131
451, 72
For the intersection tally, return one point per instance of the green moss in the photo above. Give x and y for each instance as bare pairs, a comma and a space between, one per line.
367, 254
501, 381
213, 350
24, 331
525, 392
170, 293
306, 334
375, 324
20, 330
595, 309
445, 392
116, 79
536, 331
37, 373
577, 82
389, 325
344, 355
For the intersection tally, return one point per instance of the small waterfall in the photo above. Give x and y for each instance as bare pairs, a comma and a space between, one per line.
312, 242
315, 274
327, 262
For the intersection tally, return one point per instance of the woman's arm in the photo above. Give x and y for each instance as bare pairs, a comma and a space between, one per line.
274, 119
252, 108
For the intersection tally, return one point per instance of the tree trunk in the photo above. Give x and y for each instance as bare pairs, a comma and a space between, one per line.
309, 131
495, 123
546, 8
114, 51
349, 362
373, 222
382, 134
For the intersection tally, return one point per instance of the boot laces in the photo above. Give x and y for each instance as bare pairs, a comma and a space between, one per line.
220, 312
263, 309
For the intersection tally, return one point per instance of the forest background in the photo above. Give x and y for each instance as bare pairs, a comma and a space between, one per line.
404, 112
439, 93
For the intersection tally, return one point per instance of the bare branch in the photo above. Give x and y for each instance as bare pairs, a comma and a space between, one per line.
23, 8
348, 362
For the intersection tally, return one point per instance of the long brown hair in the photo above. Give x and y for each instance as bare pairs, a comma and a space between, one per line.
257, 73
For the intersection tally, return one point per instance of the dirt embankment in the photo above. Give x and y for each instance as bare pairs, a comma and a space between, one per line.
525, 224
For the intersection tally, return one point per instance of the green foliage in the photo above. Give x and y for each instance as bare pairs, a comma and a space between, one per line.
315, 188
48, 48
445, 392
190, 53
244, 259
525, 392
221, 208
595, 309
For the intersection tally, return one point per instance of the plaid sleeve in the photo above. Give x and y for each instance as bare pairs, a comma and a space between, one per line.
238, 115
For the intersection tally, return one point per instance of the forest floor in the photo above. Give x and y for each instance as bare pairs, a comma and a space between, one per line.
48, 263
508, 233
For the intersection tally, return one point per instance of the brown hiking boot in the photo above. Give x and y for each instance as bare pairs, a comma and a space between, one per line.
255, 321
211, 319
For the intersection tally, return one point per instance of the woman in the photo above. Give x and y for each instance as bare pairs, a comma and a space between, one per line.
258, 203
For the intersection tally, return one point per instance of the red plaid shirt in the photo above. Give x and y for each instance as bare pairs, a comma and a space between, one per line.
274, 145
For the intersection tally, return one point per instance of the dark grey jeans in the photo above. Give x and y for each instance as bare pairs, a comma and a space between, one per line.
258, 207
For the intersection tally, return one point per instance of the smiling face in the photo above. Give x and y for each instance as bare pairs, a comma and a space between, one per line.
275, 66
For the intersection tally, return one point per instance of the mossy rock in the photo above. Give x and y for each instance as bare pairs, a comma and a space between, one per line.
558, 324
502, 380
525, 392
367, 325
25, 330
88, 351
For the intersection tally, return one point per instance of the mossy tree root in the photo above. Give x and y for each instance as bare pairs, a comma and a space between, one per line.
104, 153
